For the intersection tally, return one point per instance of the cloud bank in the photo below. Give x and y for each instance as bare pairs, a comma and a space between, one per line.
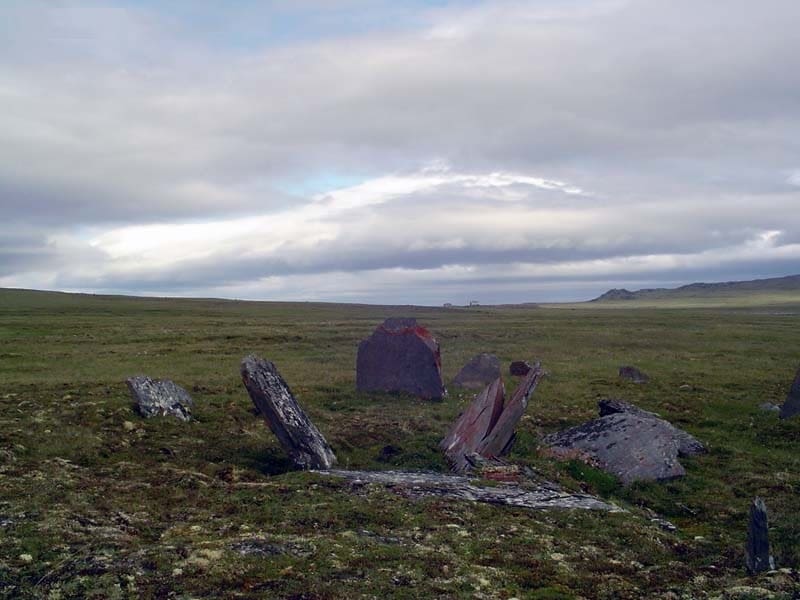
503, 151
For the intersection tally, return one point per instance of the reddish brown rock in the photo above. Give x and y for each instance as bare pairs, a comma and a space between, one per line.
400, 356
519, 368
486, 428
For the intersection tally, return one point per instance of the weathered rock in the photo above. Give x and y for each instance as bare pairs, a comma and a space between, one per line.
473, 425
487, 427
688, 445
519, 368
769, 407
633, 374
757, 556
791, 407
629, 446
543, 495
479, 372
628, 442
400, 356
302, 441
160, 397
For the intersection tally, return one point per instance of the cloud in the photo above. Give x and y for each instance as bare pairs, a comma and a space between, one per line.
146, 149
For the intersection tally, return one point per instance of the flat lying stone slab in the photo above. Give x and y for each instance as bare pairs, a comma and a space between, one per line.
630, 443
487, 426
543, 495
302, 441
633, 374
400, 356
791, 407
479, 372
160, 397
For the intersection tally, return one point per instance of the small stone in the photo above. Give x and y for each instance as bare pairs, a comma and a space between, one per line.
128, 426
26, 558
160, 397
479, 372
519, 368
769, 407
685, 387
633, 374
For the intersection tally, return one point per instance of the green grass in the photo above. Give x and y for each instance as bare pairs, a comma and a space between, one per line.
159, 511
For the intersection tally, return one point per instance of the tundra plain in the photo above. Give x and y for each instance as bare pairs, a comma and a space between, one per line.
97, 502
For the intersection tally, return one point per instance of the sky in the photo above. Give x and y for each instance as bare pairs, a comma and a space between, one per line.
415, 152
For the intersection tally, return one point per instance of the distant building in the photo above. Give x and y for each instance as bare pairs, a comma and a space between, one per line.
474, 303
448, 305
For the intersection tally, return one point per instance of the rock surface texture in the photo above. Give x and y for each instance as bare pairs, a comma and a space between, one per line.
543, 495
479, 372
302, 441
757, 556
791, 407
400, 356
160, 397
630, 443
633, 374
486, 427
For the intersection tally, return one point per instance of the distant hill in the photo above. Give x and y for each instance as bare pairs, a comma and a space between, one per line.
790, 283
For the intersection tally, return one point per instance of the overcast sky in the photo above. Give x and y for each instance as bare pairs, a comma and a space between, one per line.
397, 152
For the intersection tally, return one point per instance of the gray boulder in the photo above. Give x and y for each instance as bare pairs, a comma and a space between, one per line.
160, 397
479, 372
628, 442
791, 407
400, 356
302, 441
769, 407
688, 445
757, 556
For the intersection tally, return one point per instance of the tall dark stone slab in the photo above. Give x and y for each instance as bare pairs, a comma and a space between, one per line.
400, 356
791, 407
757, 556
479, 372
302, 441
160, 397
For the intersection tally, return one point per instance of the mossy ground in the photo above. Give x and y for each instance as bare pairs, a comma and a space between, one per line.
96, 502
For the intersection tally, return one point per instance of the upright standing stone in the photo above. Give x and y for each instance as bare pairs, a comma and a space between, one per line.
791, 407
400, 356
160, 397
479, 372
297, 434
486, 428
757, 557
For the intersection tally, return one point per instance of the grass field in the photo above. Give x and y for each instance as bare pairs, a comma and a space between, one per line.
96, 502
